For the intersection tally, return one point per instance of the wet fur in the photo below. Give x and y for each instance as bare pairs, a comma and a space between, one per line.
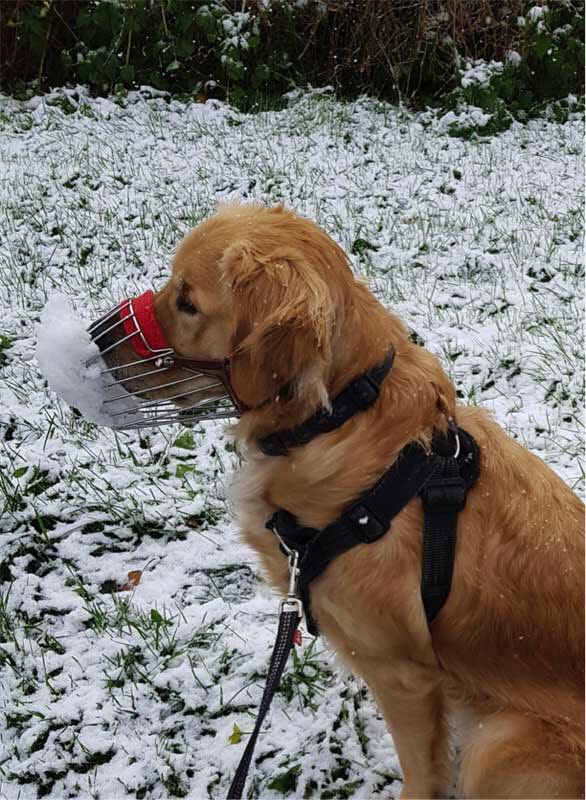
277, 295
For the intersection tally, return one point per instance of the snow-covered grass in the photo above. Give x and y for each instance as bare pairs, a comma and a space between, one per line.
146, 685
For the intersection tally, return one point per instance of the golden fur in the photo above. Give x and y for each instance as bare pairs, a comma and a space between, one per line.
276, 294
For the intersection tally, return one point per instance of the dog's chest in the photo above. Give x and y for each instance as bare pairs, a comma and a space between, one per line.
251, 496
265, 484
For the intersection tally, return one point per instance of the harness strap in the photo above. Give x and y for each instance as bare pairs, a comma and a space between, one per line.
443, 497
358, 395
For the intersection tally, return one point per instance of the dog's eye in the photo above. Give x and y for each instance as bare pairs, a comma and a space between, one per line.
187, 307
183, 303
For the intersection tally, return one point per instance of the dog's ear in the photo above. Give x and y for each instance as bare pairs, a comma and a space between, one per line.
283, 322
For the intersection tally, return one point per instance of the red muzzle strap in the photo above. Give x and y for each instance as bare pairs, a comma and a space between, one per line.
138, 317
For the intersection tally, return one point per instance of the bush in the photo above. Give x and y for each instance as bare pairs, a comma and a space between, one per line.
546, 66
198, 48
415, 51
173, 45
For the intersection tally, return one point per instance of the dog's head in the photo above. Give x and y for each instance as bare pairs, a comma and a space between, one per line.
264, 288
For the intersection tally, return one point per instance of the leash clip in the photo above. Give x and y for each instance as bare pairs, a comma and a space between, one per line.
292, 599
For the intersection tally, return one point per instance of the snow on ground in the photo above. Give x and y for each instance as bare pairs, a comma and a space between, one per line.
112, 691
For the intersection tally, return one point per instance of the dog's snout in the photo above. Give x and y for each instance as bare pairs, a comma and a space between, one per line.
107, 332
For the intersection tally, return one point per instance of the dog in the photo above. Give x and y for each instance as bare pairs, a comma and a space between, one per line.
274, 294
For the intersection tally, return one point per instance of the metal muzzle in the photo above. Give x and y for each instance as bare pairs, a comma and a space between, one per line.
156, 386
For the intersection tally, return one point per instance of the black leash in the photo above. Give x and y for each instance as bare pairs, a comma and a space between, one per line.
291, 611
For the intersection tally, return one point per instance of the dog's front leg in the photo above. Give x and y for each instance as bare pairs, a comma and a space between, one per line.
410, 697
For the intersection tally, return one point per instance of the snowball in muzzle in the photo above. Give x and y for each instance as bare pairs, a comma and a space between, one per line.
70, 362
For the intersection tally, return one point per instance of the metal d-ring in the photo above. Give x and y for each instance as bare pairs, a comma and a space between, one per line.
454, 428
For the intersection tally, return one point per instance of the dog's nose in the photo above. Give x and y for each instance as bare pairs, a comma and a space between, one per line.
107, 331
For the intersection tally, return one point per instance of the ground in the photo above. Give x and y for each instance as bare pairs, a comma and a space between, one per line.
115, 690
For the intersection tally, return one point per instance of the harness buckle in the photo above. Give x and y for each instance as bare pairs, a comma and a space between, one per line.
443, 495
364, 523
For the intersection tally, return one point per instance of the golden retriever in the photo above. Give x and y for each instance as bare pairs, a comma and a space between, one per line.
273, 292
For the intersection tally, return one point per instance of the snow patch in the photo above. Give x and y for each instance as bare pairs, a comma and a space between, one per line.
513, 57
468, 117
537, 12
480, 72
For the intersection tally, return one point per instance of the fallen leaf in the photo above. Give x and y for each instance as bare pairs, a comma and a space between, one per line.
236, 735
134, 577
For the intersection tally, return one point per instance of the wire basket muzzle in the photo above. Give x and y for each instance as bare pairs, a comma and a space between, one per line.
145, 382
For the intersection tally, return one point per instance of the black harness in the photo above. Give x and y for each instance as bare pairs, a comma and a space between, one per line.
441, 476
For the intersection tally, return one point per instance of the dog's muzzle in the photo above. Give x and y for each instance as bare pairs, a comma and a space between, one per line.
171, 388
